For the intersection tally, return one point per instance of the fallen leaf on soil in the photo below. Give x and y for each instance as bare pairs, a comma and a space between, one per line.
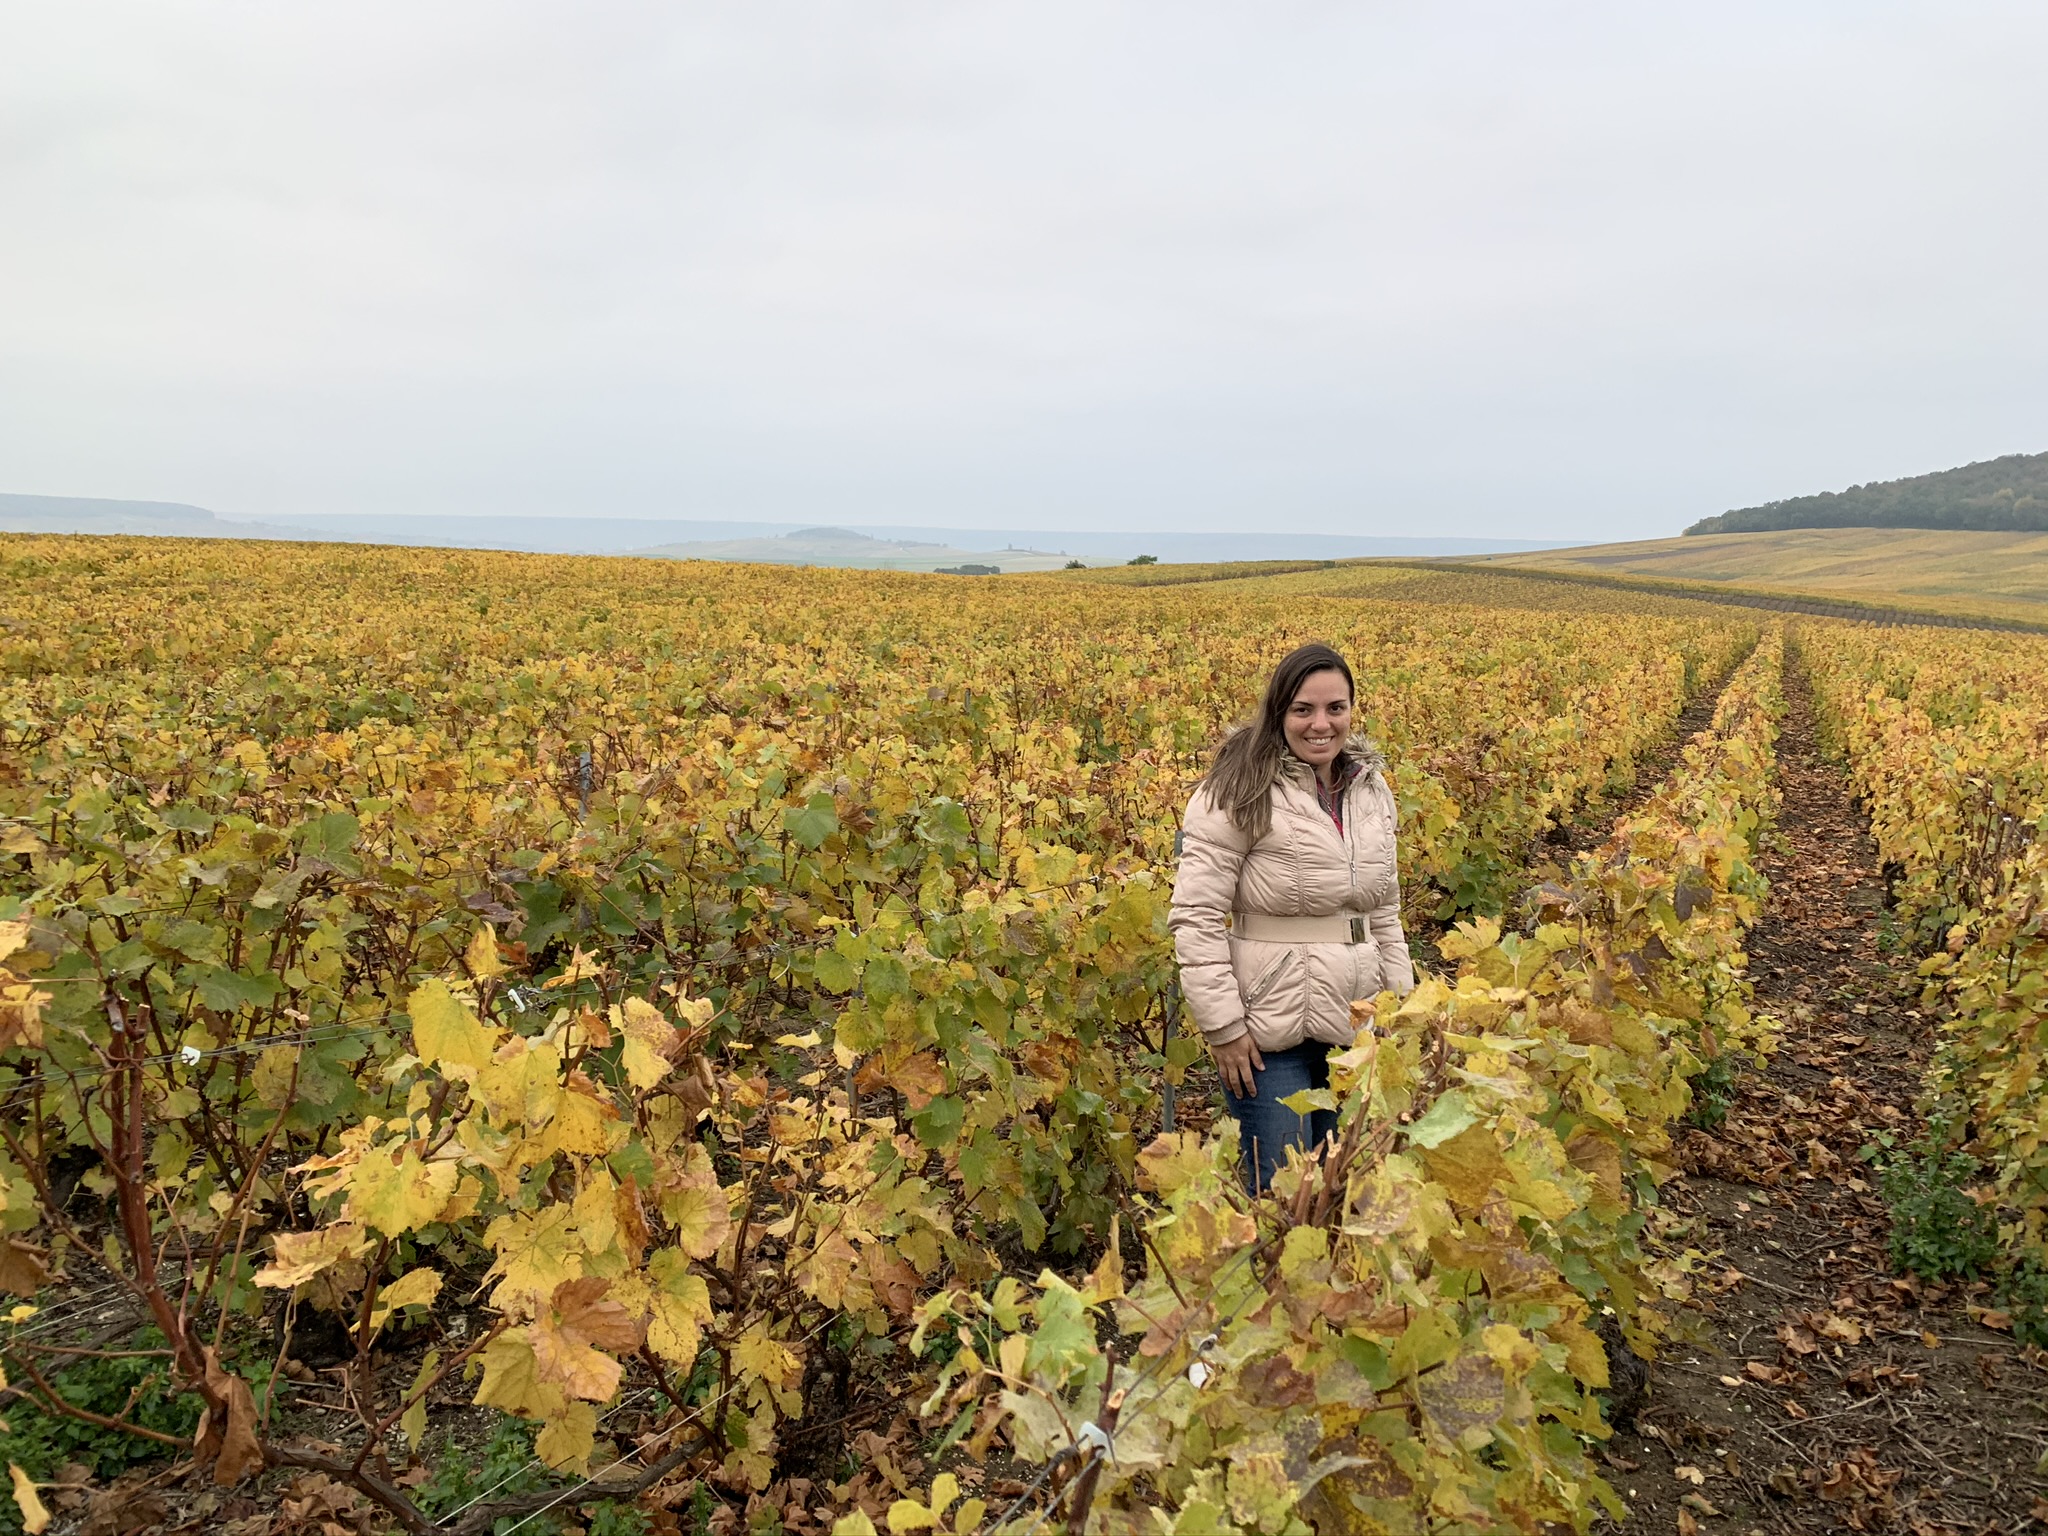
1756, 1370
121, 1510
316, 1502
1797, 1339
1691, 1475
1839, 1329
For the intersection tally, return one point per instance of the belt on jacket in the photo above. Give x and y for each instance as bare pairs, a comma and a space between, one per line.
1337, 928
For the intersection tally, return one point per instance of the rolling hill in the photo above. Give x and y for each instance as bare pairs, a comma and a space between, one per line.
1994, 575
2004, 495
159, 519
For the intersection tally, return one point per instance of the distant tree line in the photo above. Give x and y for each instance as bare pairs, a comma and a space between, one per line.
2008, 495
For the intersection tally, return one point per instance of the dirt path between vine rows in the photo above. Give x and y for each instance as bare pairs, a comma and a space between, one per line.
1810, 1389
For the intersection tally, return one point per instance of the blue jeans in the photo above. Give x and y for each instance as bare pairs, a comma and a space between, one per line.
1265, 1126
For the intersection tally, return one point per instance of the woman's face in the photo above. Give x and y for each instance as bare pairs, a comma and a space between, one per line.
1319, 719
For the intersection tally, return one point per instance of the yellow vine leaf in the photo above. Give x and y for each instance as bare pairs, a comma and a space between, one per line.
481, 957
35, 1516
581, 967
1468, 1166
536, 1253
414, 1420
909, 1515
697, 1011
415, 1288
522, 1083
302, 1255
678, 1307
392, 1190
831, 1269
447, 1034
468, 1191
596, 1209
567, 1439
649, 1038
1171, 1160
272, 1076
582, 1125
766, 1359
512, 1380
697, 1208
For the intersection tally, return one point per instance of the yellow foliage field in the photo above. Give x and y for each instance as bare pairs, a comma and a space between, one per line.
716, 972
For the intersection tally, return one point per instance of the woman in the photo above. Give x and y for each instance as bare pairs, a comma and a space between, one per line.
1287, 905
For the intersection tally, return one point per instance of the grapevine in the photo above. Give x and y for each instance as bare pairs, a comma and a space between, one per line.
694, 964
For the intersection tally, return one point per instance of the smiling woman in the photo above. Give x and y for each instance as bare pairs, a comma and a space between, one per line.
1287, 905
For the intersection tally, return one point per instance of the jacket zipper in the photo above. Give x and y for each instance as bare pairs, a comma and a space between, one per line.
1263, 983
1351, 872
1350, 849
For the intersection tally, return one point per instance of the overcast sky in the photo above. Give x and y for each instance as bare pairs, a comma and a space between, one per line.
1515, 270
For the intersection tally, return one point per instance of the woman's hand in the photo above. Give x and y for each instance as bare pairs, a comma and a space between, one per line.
1236, 1062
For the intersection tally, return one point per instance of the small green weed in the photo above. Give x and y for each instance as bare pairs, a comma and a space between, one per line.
1939, 1232
137, 1388
2024, 1293
1713, 1092
615, 1519
504, 1469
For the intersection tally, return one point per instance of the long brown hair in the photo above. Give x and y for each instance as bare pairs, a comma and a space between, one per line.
1240, 780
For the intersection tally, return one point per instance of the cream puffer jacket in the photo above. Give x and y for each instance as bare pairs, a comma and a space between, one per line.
1287, 992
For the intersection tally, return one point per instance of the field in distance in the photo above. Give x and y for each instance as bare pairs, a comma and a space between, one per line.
1994, 575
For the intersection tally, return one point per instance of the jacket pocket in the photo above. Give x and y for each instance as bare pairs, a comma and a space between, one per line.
1275, 992
1263, 982
1369, 969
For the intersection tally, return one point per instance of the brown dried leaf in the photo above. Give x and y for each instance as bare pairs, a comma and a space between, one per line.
1840, 1329
570, 1338
23, 1269
895, 1282
920, 1079
237, 1452
1797, 1340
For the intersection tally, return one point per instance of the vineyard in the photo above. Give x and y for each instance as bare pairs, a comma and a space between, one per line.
515, 1043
